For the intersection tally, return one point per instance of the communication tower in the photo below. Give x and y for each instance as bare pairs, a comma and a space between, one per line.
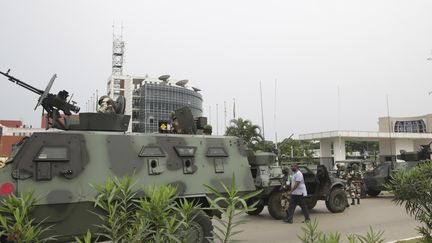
118, 50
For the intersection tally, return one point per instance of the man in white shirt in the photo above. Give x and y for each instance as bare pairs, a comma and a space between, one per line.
297, 192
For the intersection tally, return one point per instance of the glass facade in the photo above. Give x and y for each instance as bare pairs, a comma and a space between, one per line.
417, 126
153, 102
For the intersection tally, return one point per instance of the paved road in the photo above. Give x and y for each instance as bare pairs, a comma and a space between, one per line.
380, 213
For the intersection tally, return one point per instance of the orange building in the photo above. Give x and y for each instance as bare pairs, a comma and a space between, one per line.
6, 139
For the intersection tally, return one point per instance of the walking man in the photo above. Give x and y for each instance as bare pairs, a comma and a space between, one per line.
297, 192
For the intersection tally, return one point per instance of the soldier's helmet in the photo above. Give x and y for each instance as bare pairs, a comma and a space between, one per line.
207, 129
355, 166
102, 98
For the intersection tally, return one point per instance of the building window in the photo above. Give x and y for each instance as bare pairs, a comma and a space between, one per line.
417, 126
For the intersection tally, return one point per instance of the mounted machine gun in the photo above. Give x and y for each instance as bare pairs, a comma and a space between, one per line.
51, 103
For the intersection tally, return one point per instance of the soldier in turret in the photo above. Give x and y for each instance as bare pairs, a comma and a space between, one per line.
207, 129
106, 105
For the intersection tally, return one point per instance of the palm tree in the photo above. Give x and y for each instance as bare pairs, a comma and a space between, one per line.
250, 133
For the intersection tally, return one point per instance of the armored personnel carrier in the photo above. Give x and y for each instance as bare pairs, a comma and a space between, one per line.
376, 179
61, 164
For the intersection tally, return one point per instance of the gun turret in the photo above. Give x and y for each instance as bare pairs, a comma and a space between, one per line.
423, 154
51, 103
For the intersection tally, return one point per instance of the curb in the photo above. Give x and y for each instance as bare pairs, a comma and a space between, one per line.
412, 238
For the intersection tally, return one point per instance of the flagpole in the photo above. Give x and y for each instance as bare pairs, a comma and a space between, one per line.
234, 115
262, 112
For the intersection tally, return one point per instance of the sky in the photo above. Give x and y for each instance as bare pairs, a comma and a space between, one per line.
334, 62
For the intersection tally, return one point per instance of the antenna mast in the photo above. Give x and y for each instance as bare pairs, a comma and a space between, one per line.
262, 112
275, 124
389, 130
118, 51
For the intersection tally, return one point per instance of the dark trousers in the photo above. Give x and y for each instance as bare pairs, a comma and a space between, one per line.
294, 201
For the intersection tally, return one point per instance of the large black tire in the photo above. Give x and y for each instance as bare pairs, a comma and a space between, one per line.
373, 193
310, 203
258, 209
202, 228
336, 202
274, 205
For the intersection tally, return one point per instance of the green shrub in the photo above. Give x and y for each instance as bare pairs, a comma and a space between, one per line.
413, 189
16, 223
311, 234
229, 204
88, 238
155, 216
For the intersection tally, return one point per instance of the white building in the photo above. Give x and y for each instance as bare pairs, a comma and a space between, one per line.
394, 134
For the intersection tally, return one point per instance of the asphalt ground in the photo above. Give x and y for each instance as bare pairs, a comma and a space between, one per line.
379, 213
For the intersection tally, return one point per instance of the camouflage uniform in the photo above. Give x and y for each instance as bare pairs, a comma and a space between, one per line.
354, 184
286, 185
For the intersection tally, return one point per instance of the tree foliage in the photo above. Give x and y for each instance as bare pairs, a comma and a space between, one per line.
413, 189
266, 146
290, 148
251, 135
362, 147
244, 129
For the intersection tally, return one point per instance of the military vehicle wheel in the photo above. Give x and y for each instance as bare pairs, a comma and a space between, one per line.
201, 228
258, 208
310, 203
336, 202
373, 193
274, 205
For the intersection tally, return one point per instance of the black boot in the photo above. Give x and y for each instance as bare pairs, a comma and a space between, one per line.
358, 200
352, 201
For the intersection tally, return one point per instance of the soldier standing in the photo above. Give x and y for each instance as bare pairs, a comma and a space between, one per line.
354, 184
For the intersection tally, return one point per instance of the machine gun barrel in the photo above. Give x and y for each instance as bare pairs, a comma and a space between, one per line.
21, 83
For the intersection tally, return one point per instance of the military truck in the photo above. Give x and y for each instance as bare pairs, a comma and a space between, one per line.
320, 186
376, 179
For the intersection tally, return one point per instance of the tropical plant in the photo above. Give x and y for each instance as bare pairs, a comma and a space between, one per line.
371, 236
170, 220
16, 222
244, 129
88, 238
311, 234
115, 198
229, 204
413, 189
156, 216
